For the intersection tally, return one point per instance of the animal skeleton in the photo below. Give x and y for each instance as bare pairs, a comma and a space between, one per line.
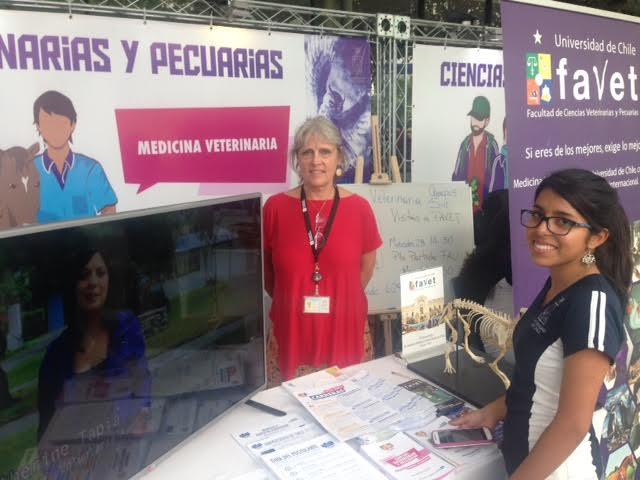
495, 329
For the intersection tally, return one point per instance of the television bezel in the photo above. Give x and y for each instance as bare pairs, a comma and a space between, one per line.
131, 214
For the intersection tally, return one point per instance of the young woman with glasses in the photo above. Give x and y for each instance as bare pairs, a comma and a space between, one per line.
571, 334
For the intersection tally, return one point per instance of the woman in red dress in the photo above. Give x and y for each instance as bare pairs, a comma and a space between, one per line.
320, 244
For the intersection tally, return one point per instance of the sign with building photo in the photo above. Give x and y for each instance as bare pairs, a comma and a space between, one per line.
422, 300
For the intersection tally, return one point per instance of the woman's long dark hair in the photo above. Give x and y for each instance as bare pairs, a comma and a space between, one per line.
76, 324
598, 202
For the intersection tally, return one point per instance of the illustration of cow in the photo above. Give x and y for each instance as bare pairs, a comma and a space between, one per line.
19, 186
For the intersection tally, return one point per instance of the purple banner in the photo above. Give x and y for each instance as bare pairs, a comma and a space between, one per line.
338, 82
572, 101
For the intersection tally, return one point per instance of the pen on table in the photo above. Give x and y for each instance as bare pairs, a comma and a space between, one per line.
401, 375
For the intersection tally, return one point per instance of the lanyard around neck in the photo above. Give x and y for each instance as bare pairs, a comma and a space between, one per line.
315, 248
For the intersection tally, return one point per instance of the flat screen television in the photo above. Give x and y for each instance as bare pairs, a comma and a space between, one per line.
121, 336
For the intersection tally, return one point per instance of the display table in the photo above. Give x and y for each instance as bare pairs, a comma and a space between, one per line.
212, 454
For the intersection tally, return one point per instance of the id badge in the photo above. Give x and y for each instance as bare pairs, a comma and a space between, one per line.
316, 304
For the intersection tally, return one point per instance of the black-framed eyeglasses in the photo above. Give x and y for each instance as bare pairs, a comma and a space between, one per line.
556, 225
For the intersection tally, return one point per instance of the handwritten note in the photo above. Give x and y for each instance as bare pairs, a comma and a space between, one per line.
422, 226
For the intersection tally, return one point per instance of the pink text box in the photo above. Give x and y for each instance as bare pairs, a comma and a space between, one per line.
203, 145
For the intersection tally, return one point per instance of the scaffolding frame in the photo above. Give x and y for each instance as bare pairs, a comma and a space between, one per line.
393, 56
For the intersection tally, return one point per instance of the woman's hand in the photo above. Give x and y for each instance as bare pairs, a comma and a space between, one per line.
367, 266
487, 416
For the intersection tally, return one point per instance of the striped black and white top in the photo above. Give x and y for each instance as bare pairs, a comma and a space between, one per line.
587, 315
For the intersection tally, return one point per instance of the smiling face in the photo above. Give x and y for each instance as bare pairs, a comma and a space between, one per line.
56, 130
318, 161
557, 251
93, 285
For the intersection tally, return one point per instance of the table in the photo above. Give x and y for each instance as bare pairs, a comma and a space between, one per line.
212, 454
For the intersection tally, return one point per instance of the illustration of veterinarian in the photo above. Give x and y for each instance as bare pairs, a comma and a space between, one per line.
477, 153
72, 185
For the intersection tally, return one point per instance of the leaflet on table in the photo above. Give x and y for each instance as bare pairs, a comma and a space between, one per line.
403, 458
458, 456
426, 390
316, 379
344, 409
282, 433
363, 404
414, 409
319, 459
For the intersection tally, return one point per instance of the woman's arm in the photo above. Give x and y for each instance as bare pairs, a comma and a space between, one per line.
268, 272
582, 379
367, 265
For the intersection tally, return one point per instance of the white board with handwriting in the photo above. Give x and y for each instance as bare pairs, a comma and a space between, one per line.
423, 225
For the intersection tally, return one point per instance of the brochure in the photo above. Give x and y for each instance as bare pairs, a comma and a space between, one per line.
427, 390
362, 404
413, 409
275, 435
319, 459
404, 459
421, 300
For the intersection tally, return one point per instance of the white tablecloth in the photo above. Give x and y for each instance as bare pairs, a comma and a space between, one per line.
212, 454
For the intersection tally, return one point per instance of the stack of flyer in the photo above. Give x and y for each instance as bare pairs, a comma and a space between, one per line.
367, 428
294, 448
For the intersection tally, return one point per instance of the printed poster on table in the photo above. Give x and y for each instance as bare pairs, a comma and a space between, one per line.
422, 300
458, 118
111, 114
573, 101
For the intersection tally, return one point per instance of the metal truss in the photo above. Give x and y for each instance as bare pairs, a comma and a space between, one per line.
384, 85
301, 19
434, 33
236, 13
391, 66
401, 110
392, 83
455, 34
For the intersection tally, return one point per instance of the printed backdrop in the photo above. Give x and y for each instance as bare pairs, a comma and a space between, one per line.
166, 113
572, 101
446, 80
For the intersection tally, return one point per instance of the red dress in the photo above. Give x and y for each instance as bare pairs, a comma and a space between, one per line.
335, 338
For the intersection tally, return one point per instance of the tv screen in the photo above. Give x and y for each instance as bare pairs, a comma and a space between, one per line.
122, 335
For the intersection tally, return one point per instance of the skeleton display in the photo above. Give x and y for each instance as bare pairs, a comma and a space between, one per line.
495, 329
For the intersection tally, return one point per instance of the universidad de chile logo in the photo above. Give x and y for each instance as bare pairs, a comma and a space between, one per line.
538, 79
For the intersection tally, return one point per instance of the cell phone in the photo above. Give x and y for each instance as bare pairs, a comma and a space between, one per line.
449, 406
461, 437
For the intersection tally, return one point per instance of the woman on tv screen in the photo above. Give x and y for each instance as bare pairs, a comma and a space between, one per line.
99, 359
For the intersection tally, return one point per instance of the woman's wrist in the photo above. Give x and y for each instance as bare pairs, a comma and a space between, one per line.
498, 409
